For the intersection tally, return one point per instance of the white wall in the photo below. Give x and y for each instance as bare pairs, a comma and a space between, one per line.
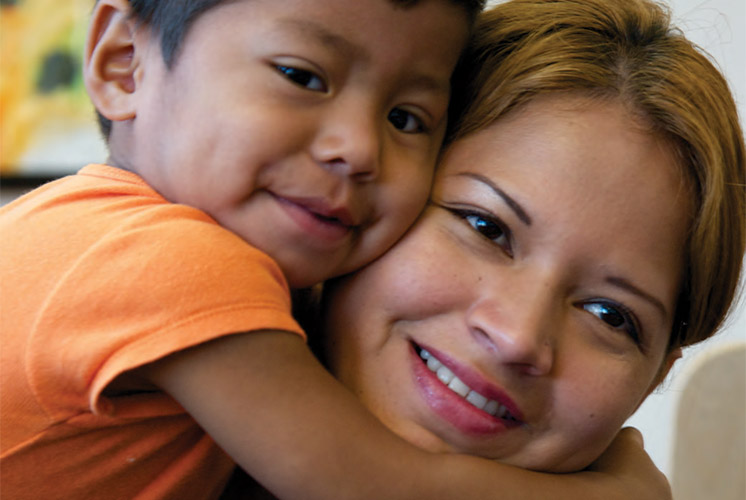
719, 27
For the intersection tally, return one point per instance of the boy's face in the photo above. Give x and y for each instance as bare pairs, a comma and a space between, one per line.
310, 129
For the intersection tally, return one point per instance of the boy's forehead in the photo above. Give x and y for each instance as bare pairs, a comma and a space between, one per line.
428, 33
325, 18
337, 42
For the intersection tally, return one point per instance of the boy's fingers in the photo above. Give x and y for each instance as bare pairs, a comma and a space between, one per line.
626, 450
634, 434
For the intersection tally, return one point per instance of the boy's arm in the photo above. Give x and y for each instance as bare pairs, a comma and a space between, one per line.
269, 404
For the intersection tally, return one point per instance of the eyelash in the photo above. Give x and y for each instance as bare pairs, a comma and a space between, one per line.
418, 123
485, 225
302, 77
619, 312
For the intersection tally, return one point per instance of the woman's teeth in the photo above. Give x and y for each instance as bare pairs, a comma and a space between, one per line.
459, 387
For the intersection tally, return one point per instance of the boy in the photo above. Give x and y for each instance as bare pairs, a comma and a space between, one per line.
268, 141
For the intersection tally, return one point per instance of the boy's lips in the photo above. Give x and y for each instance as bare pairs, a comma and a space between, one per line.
319, 218
321, 207
461, 396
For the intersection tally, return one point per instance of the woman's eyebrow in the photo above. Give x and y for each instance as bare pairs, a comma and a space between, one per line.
626, 285
514, 205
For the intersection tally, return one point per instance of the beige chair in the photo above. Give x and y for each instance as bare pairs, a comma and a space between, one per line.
709, 450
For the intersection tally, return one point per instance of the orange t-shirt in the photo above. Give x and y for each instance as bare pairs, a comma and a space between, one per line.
99, 275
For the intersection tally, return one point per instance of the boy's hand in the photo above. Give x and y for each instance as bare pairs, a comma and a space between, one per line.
627, 462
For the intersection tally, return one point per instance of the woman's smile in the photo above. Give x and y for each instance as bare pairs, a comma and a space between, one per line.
495, 411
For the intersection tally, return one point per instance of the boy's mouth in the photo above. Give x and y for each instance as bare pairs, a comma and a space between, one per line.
324, 225
341, 217
323, 210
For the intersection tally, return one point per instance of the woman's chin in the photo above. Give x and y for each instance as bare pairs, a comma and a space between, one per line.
538, 460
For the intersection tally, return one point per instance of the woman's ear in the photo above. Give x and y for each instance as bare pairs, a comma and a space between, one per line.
111, 61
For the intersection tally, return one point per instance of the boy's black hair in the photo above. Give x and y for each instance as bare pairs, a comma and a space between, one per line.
171, 20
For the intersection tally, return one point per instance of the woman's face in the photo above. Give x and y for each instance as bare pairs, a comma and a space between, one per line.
526, 315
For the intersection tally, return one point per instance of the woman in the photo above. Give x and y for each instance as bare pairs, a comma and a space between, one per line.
587, 222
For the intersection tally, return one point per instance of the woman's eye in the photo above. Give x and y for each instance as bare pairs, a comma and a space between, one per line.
615, 316
489, 228
303, 78
405, 121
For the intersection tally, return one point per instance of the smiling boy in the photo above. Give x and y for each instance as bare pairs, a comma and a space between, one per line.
280, 142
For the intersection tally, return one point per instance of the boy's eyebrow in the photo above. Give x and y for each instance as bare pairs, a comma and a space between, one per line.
514, 205
626, 285
332, 40
426, 83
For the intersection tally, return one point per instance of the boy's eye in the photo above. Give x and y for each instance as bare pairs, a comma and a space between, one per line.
303, 78
615, 316
405, 121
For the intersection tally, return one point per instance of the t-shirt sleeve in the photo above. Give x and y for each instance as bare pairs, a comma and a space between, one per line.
143, 293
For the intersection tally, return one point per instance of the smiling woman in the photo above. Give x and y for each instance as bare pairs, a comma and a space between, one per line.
586, 223
521, 357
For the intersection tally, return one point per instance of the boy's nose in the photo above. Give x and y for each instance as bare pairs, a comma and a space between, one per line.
350, 144
517, 327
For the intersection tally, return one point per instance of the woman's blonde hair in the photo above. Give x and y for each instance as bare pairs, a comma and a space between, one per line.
627, 50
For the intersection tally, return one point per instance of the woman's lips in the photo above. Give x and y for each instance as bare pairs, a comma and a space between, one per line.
462, 397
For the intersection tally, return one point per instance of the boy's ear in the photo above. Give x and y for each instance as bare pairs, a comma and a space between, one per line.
111, 60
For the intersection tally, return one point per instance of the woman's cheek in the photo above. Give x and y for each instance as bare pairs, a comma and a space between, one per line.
427, 271
589, 411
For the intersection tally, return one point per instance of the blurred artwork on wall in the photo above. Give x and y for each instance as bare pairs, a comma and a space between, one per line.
47, 124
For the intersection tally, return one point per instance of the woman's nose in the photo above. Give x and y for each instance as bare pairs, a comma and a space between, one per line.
349, 142
517, 328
